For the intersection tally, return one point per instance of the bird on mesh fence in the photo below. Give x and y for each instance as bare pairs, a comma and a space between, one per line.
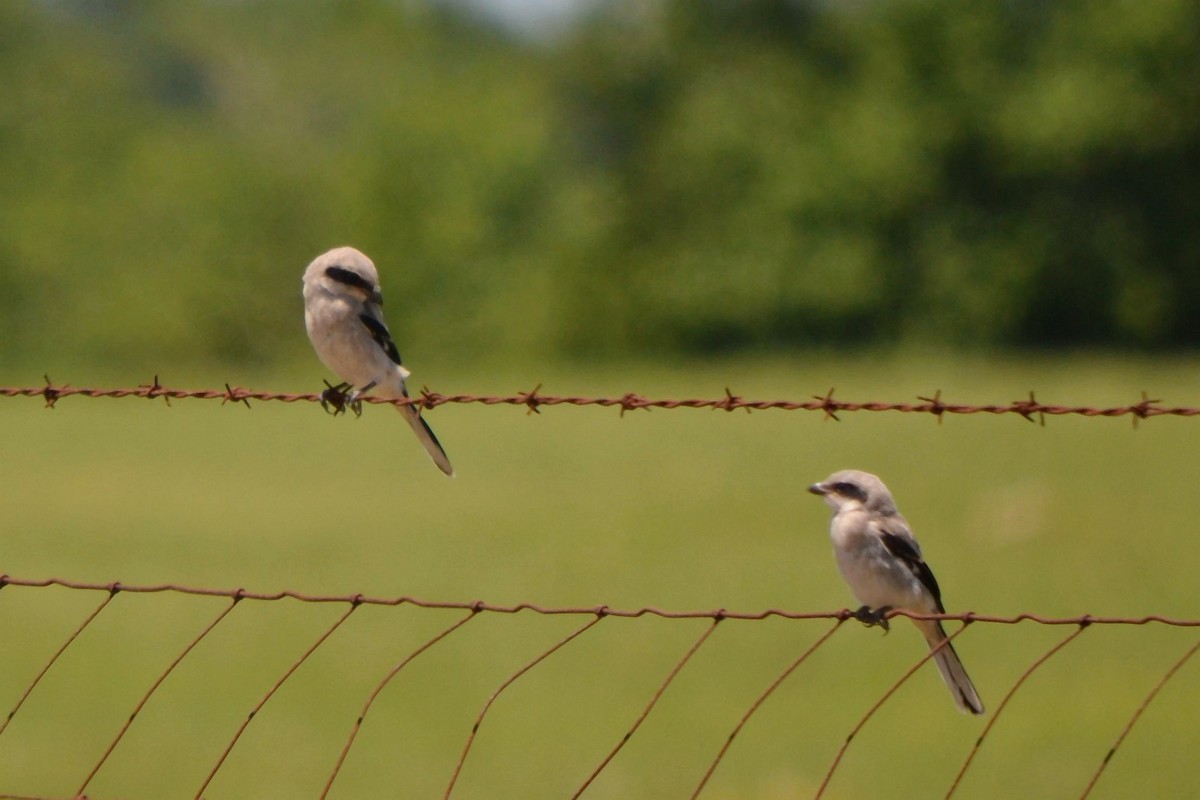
880, 559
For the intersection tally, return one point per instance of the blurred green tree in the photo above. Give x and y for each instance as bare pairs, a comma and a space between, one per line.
993, 173
670, 176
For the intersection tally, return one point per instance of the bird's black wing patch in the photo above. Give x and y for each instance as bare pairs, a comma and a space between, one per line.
902, 549
382, 337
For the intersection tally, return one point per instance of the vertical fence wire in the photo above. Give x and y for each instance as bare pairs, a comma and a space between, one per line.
759, 701
54, 658
649, 706
149, 692
337, 767
510, 681
1000, 708
271, 693
837, 759
594, 616
1137, 715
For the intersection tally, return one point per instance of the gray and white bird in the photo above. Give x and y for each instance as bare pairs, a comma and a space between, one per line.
880, 559
345, 324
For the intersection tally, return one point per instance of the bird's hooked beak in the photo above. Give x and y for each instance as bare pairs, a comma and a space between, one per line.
376, 297
818, 488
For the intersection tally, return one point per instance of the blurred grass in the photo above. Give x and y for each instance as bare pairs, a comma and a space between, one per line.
680, 509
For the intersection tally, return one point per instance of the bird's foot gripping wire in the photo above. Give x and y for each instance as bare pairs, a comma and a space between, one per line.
335, 399
872, 617
354, 399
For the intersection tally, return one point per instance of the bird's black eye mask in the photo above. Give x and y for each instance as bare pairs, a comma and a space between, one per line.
851, 490
349, 278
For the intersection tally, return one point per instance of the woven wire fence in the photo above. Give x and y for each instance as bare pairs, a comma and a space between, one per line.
827, 624
585, 619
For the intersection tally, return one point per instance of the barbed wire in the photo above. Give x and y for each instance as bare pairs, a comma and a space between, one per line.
596, 615
533, 400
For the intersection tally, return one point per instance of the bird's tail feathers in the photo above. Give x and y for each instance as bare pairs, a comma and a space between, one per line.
951, 667
427, 438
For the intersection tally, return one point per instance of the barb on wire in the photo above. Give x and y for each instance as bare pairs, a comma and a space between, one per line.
233, 395
155, 389
731, 402
1028, 409
533, 401
49, 393
1143, 409
935, 405
829, 406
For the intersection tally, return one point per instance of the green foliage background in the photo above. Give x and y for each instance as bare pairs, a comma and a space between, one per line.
679, 176
673, 197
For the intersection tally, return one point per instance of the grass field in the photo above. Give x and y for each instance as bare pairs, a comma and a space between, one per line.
680, 509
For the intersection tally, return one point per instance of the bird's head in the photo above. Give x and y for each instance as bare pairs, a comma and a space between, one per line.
344, 272
852, 488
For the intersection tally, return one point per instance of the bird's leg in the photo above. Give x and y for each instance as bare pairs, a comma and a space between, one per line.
334, 396
354, 399
872, 617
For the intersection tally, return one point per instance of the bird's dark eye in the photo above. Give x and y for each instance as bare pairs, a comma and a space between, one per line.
350, 278
851, 490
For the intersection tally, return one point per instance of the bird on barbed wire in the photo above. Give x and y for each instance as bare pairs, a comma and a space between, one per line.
880, 559
343, 315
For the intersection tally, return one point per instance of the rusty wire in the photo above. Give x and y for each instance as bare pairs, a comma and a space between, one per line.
57, 653
1030, 409
687, 656
1112, 751
271, 693
238, 597
712, 767
891, 690
153, 688
500, 689
337, 767
602, 610
1004, 703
